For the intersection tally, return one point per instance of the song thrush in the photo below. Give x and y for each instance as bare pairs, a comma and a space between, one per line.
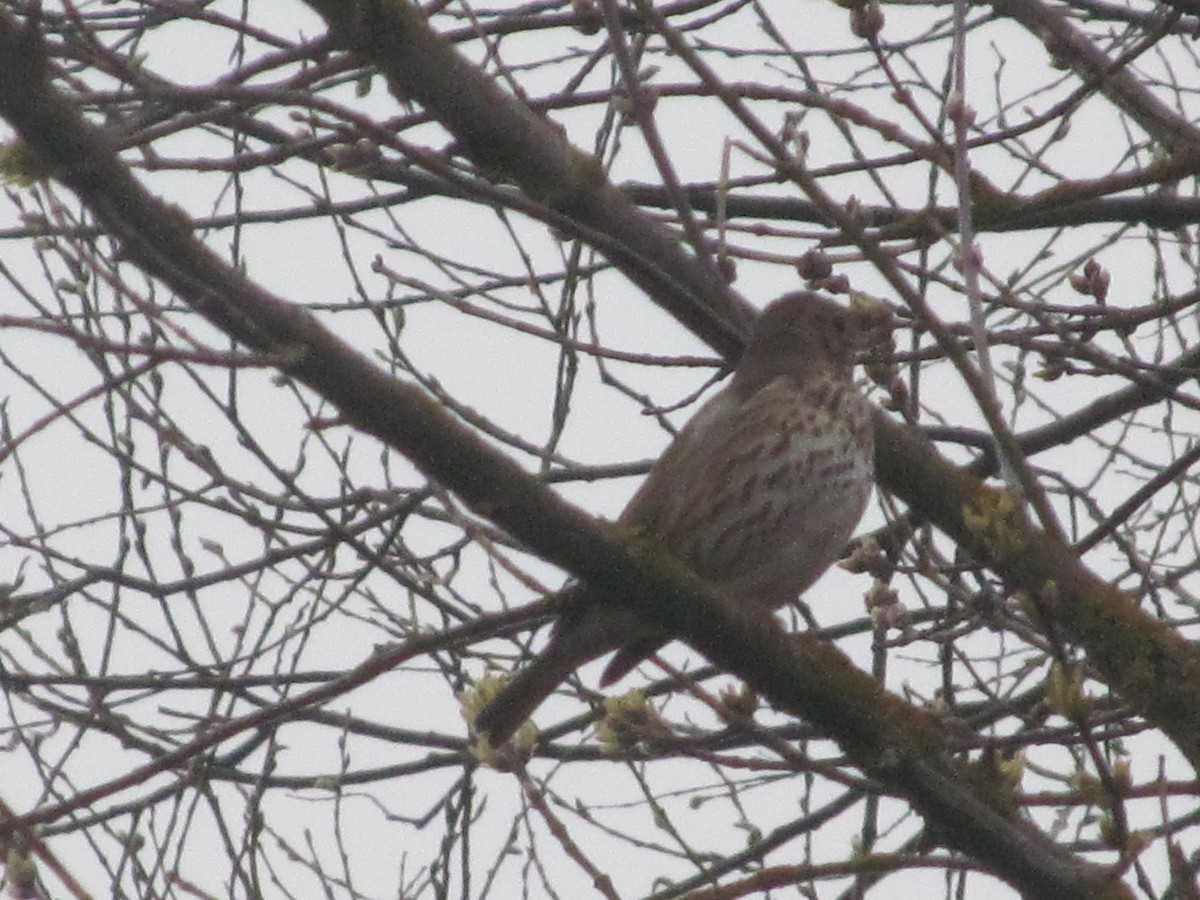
758, 494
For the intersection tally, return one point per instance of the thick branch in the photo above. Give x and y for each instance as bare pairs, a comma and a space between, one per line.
900, 746
1143, 659
1071, 45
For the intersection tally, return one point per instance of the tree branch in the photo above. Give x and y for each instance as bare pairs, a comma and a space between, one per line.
901, 747
1143, 659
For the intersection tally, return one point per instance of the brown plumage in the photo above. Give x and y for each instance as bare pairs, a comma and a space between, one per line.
758, 493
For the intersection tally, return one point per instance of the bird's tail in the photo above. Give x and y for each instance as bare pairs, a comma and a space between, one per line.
520, 697
629, 657
576, 641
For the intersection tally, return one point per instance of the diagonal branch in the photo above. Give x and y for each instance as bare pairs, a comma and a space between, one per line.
1143, 660
901, 747
1075, 48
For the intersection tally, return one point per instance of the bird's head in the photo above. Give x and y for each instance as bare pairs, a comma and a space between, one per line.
802, 334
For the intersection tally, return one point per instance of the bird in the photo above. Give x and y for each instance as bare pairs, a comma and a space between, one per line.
759, 494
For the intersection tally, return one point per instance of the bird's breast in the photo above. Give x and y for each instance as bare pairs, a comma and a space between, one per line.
775, 490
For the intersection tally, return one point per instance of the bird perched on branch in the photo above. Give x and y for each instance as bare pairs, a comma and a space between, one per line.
758, 494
